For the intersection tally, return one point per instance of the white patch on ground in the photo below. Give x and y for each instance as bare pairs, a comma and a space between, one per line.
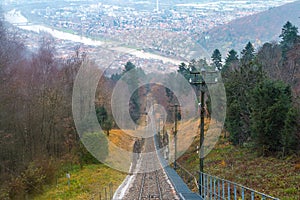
120, 193
124, 187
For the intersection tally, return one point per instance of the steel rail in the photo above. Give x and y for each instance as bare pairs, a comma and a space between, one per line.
158, 185
142, 186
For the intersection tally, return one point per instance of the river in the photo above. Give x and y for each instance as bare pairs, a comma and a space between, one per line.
16, 18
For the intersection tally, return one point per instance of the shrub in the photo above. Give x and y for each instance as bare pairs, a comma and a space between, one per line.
95, 142
33, 179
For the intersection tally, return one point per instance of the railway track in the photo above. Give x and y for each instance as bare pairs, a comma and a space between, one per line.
150, 181
150, 187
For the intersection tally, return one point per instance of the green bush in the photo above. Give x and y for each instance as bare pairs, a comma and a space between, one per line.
96, 143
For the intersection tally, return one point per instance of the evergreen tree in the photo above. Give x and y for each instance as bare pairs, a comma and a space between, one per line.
289, 139
129, 66
239, 84
101, 114
107, 126
247, 54
231, 59
115, 77
272, 117
217, 59
184, 71
289, 37
133, 82
104, 120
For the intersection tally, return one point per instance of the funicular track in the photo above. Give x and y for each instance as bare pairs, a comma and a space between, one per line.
150, 186
150, 181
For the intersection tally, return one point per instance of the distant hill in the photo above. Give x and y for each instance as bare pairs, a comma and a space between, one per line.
258, 29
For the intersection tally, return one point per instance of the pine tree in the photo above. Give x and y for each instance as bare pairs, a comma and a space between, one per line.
217, 59
239, 83
231, 58
288, 34
101, 114
247, 54
129, 66
289, 37
184, 71
231, 62
104, 119
132, 80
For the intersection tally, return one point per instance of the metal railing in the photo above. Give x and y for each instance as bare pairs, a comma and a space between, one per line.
188, 177
216, 188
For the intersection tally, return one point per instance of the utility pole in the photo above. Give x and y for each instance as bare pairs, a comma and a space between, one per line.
175, 134
202, 83
159, 124
201, 151
163, 130
159, 133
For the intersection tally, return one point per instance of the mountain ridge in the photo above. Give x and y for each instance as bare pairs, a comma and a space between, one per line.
258, 28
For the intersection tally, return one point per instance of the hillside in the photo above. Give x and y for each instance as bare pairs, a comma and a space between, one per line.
275, 176
91, 182
258, 28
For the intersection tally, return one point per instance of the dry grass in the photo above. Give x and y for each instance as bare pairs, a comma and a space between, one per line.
187, 132
274, 176
120, 149
122, 139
